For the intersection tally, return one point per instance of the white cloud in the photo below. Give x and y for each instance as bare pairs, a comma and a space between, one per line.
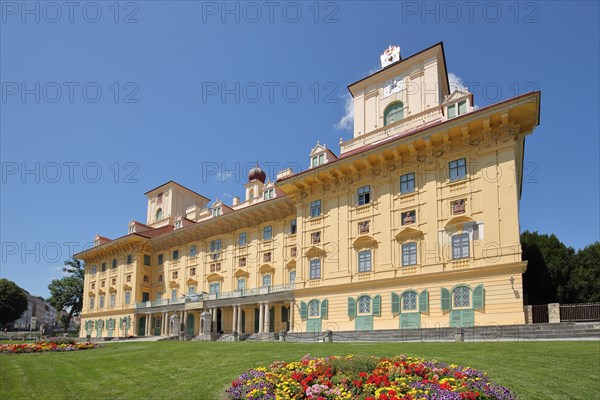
223, 175
456, 82
227, 196
347, 121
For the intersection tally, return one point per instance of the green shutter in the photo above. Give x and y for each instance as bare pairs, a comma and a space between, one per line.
364, 323
456, 318
462, 107
324, 308
377, 306
468, 318
395, 304
351, 307
424, 301
314, 325
410, 321
478, 297
303, 310
446, 300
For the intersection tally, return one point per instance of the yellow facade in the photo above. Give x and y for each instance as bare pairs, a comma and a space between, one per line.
414, 224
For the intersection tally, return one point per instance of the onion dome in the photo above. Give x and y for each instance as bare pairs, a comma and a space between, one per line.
257, 173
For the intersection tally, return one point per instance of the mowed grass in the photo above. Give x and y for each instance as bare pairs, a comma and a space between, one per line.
203, 370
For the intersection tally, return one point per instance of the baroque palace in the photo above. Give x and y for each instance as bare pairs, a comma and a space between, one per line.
414, 224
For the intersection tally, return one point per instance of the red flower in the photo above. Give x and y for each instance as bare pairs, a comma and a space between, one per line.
362, 374
357, 383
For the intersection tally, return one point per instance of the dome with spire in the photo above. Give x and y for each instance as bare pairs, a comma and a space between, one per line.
257, 173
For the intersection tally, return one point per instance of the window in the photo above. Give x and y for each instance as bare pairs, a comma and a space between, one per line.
293, 252
158, 296
267, 232
267, 257
266, 280
93, 270
315, 237
241, 283
175, 255
215, 245
193, 250
215, 267
242, 239
93, 286
409, 254
217, 211
127, 297
364, 195
113, 281
293, 276
242, 261
268, 194
160, 278
364, 305
407, 183
159, 214
314, 308
101, 301
114, 263
102, 284
214, 287
178, 224
461, 297
458, 169
175, 274
193, 271
363, 227
293, 227
461, 107
103, 267
393, 113
112, 299
318, 160
128, 278
315, 208
409, 301
315, 269
129, 258
145, 296
191, 289
408, 217
460, 245
173, 294
92, 302
452, 111
146, 279
160, 259
146, 260
364, 261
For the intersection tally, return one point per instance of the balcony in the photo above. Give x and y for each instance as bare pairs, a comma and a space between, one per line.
252, 292
403, 126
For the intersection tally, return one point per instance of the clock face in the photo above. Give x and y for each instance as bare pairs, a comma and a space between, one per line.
393, 86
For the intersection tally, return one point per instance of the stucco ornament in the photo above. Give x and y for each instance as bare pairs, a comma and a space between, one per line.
390, 56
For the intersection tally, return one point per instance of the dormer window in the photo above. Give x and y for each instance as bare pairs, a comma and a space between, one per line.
159, 214
131, 229
268, 194
178, 224
217, 211
456, 109
318, 160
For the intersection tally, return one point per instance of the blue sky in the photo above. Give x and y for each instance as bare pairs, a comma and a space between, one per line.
102, 103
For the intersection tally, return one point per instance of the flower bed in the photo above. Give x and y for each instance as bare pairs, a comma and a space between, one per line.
51, 344
365, 378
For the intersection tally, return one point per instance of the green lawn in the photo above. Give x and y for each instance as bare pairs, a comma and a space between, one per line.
200, 370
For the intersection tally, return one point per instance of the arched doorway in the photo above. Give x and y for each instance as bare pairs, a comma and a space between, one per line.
190, 324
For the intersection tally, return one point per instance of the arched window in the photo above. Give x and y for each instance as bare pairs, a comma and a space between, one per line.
393, 113
159, 214
364, 305
313, 308
461, 297
409, 301
146, 279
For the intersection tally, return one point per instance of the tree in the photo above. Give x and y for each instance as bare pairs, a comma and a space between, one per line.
584, 285
13, 301
66, 294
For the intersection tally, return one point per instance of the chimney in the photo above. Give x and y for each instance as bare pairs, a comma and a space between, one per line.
236, 200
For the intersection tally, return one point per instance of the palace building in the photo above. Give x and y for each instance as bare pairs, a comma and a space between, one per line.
414, 223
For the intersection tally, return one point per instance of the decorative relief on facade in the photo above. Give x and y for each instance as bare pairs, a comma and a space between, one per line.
409, 217
457, 207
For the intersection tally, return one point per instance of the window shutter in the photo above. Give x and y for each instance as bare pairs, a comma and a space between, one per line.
351, 307
377, 306
424, 301
303, 310
324, 308
445, 299
456, 319
395, 304
478, 297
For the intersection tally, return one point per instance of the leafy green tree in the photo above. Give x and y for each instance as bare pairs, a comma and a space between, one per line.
66, 294
13, 301
549, 267
584, 285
